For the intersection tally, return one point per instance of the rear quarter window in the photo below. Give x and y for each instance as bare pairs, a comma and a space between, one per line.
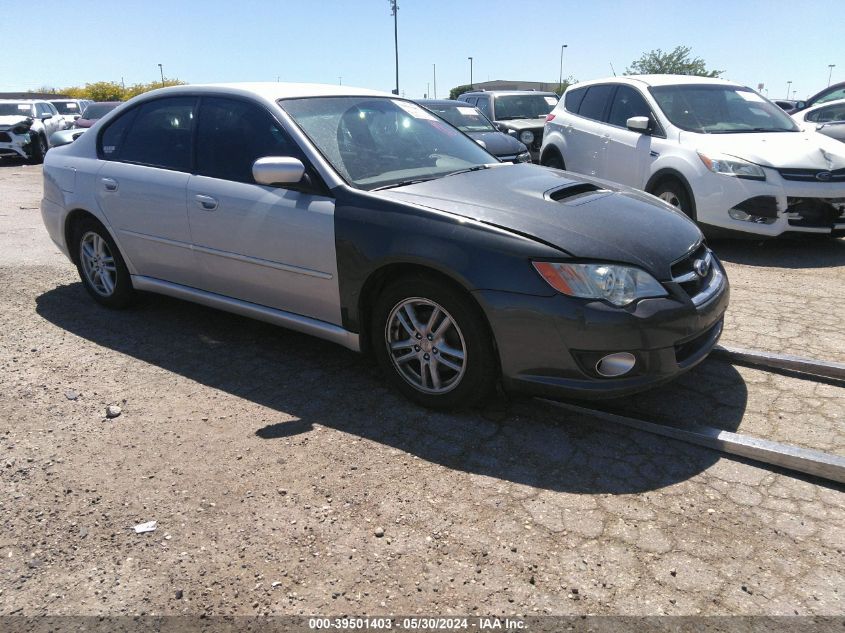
572, 100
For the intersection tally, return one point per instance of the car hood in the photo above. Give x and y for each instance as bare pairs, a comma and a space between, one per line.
523, 124
12, 119
498, 143
612, 223
778, 149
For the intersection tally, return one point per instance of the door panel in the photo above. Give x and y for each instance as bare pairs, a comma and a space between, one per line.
146, 207
266, 245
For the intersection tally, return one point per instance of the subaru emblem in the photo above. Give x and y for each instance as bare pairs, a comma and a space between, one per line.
701, 267
824, 176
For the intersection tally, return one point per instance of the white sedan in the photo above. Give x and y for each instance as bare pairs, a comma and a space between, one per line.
825, 118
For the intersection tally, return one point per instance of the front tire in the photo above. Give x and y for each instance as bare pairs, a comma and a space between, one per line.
433, 344
674, 193
100, 264
38, 148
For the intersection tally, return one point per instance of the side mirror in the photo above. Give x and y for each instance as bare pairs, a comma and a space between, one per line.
640, 124
278, 170
800, 105
44, 117
502, 127
65, 137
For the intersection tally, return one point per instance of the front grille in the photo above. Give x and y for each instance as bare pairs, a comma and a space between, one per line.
700, 289
811, 175
813, 212
5, 138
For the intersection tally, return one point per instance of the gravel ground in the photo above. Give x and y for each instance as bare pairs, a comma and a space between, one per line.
285, 479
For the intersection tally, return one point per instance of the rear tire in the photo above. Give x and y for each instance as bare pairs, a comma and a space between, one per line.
100, 265
675, 193
553, 160
433, 343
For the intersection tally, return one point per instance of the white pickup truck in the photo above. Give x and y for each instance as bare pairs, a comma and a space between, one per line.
26, 127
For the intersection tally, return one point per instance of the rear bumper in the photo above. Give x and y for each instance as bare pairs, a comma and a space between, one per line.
549, 345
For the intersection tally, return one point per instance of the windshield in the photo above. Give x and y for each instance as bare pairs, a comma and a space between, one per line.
22, 109
66, 107
98, 110
464, 117
524, 106
376, 142
715, 109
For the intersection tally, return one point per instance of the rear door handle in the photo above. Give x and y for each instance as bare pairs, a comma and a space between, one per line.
206, 203
110, 184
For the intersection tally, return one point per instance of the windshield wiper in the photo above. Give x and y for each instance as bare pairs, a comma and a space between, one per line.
402, 183
467, 170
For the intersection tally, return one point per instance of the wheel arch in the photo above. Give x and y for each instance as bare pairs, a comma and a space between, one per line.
72, 219
552, 147
668, 173
379, 278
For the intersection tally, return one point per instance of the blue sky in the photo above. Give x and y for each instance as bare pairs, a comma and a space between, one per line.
199, 41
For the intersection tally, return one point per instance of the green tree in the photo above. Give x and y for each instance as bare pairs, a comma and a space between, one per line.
454, 93
675, 62
561, 88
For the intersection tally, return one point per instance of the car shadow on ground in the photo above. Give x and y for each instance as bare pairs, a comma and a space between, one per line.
317, 382
789, 252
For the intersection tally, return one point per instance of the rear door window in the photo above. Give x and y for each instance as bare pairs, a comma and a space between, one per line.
160, 134
573, 99
594, 104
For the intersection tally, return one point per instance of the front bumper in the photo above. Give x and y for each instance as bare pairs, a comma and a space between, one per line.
16, 145
549, 345
776, 206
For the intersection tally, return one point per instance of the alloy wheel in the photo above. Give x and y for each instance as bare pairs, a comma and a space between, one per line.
98, 263
425, 345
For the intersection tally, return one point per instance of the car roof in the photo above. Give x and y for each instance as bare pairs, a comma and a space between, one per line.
659, 80
23, 100
509, 92
443, 102
271, 90
819, 106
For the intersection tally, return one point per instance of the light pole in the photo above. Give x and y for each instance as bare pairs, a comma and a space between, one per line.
161, 70
340, 81
830, 72
788, 85
470, 73
434, 67
395, 12
560, 80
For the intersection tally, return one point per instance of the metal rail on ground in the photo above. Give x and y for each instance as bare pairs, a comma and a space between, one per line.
803, 460
770, 360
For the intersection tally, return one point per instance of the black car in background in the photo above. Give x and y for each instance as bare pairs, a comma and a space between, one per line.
475, 125
520, 113
831, 93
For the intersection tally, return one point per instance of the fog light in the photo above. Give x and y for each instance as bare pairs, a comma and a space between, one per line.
614, 365
739, 214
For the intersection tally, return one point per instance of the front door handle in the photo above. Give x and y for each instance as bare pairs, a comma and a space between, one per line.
110, 184
206, 203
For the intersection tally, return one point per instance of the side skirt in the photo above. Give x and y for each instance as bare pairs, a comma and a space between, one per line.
299, 323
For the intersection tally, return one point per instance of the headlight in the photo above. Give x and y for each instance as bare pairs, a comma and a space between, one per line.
526, 137
732, 166
21, 128
525, 157
619, 285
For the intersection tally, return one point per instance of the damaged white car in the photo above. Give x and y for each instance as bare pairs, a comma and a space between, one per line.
26, 127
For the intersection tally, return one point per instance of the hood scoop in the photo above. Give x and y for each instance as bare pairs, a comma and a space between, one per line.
577, 194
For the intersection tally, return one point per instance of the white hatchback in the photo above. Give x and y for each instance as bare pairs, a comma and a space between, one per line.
728, 157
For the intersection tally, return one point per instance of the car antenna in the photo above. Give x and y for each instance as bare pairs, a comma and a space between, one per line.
612, 69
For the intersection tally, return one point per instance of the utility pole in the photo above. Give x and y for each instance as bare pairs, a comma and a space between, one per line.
471, 86
560, 81
830, 72
788, 86
161, 70
395, 11
434, 66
